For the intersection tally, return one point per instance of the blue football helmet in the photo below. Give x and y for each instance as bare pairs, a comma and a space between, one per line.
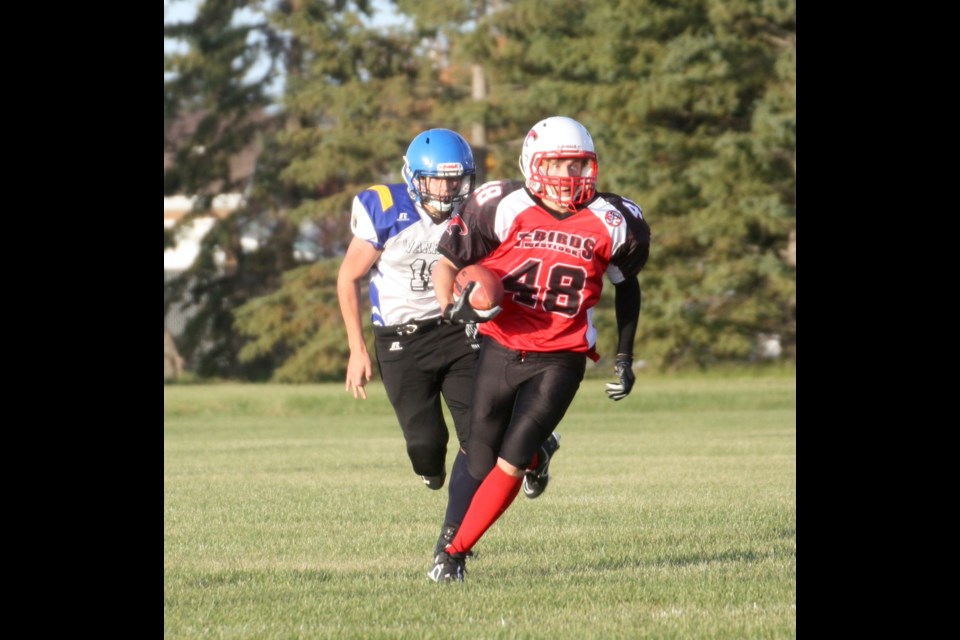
444, 154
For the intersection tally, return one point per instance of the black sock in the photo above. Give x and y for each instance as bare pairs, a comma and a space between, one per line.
460, 490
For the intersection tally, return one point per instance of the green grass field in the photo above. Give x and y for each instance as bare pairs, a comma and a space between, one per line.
292, 512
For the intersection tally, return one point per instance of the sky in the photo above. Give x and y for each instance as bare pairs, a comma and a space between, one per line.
384, 14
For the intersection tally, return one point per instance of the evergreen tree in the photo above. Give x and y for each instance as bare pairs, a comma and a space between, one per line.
217, 78
692, 105
353, 103
230, 56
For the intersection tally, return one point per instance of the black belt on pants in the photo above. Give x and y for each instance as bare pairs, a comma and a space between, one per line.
405, 329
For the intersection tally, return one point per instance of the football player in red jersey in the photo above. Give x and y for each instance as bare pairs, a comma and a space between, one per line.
551, 238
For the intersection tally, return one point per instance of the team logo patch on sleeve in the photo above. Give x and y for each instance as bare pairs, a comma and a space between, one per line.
457, 226
613, 218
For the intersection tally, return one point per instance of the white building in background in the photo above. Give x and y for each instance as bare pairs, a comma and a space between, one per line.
189, 236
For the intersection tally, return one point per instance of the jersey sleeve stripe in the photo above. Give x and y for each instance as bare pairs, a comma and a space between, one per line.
386, 198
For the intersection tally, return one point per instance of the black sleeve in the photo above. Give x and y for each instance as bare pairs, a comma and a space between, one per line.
632, 255
471, 234
626, 301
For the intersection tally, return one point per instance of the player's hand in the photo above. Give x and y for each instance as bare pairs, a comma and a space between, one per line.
623, 369
359, 372
461, 312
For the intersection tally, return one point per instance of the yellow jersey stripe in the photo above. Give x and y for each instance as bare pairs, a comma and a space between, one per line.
386, 198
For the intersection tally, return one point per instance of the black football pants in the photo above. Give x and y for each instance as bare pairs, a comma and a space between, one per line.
519, 399
418, 368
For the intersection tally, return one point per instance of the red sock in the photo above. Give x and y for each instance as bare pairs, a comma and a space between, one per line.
495, 494
536, 460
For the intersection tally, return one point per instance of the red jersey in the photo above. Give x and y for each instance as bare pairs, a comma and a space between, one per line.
551, 264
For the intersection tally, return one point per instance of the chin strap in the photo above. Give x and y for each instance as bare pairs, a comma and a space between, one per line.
437, 216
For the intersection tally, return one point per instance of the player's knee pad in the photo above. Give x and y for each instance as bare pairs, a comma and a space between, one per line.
428, 458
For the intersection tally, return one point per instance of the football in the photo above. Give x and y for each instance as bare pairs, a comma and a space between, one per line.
489, 290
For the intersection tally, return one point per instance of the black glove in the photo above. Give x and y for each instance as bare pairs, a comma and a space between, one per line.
623, 369
460, 312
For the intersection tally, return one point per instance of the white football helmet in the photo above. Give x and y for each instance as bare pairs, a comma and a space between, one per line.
559, 137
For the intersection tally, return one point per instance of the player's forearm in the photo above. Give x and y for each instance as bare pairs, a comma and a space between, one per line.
444, 273
627, 299
348, 292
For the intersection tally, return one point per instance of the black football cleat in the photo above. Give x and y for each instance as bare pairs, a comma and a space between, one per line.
447, 567
535, 481
447, 533
434, 482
